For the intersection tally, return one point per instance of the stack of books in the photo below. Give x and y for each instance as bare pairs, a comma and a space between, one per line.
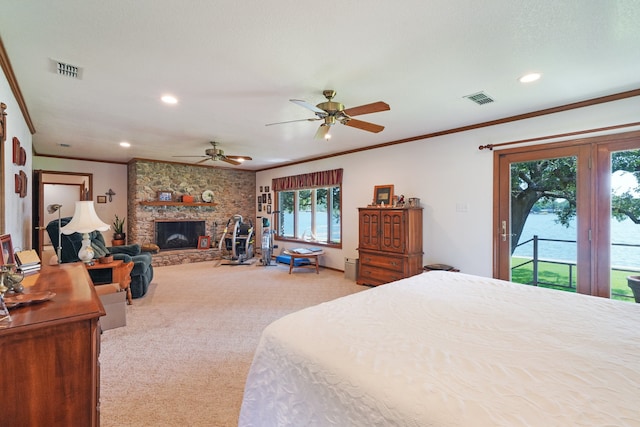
305, 251
28, 261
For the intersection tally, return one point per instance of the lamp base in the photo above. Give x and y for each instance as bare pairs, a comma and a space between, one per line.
86, 251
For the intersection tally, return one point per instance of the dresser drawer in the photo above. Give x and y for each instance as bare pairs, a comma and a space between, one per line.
382, 261
368, 275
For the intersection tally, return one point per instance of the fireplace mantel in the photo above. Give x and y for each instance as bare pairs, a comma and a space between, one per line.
161, 203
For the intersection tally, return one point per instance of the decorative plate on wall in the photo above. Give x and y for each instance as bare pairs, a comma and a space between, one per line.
207, 196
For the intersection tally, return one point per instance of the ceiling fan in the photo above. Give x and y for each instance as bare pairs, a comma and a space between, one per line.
334, 112
216, 154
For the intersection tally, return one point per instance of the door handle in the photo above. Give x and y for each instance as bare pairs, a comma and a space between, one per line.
504, 233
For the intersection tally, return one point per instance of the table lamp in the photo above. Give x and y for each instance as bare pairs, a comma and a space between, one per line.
85, 220
53, 209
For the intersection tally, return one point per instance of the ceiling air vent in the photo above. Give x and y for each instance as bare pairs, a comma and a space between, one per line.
67, 70
479, 98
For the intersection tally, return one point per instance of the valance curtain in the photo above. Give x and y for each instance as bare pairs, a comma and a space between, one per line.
308, 180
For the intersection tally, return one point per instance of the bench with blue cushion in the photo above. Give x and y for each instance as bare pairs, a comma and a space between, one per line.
286, 259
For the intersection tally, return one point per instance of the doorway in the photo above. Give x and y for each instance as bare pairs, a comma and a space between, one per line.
56, 188
555, 209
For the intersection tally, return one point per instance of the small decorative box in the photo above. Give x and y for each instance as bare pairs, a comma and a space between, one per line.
187, 199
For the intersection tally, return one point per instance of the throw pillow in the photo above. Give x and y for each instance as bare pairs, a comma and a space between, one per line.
99, 249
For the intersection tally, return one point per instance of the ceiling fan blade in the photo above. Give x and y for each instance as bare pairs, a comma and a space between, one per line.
369, 127
367, 109
291, 121
203, 160
230, 161
239, 157
308, 106
189, 156
322, 131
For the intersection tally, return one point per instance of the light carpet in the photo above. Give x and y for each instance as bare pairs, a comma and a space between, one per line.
183, 358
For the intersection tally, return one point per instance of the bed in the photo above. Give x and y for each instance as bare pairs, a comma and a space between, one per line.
449, 349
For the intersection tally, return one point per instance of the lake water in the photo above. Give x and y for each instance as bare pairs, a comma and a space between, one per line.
545, 226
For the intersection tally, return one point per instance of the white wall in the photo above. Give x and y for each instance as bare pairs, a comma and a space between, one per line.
105, 176
17, 211
452, 178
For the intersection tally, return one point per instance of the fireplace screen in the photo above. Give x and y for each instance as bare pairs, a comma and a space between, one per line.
179, 234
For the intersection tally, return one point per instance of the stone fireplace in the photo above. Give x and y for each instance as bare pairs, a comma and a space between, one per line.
234, 192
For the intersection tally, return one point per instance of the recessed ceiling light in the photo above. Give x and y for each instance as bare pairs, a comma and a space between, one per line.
531, 77
169, 99
125, 144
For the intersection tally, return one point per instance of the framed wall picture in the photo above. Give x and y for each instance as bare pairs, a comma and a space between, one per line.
268, 209
259, 207
102, 199
204, 242
165, 196
6, 257
383, 194
16, 150
23, 185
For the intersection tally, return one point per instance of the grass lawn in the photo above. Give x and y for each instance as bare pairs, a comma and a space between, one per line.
556, 276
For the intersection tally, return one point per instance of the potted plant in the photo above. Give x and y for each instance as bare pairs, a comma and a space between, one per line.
118, 231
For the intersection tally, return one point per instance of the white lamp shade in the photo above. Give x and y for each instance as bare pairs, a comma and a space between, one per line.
85, 220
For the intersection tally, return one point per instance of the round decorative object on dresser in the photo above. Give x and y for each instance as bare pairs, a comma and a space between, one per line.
207, 196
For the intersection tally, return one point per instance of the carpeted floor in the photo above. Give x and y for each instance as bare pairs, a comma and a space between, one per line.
184, 355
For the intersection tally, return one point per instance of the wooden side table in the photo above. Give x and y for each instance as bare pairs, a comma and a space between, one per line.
120, 273
311, 256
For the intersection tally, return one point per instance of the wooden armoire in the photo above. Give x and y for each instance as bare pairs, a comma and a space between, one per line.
390, 244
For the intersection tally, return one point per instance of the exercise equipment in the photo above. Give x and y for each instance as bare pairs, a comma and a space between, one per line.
237, 239
266, 246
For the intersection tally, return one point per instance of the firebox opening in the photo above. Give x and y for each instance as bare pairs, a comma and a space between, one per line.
172, 235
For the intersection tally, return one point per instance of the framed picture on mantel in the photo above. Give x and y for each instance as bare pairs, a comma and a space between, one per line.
165, 196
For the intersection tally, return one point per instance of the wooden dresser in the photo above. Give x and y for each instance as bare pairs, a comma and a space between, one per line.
390, 244
50, 373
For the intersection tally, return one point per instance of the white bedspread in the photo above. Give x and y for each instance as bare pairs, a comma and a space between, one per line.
449, 349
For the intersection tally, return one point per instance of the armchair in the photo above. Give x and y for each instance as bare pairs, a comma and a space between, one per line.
142, 272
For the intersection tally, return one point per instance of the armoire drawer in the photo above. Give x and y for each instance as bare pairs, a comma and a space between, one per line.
382, 261
377, 276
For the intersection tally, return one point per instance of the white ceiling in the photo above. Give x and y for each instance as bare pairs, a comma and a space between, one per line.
234, 65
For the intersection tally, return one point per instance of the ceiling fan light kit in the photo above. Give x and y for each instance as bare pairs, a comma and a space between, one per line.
332, 112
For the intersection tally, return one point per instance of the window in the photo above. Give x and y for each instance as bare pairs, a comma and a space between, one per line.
309, 212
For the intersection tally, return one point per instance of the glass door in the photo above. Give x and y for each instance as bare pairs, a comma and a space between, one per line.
568, 215
619, 201
543, 216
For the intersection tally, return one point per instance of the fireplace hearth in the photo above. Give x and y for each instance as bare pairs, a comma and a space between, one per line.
174, 235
